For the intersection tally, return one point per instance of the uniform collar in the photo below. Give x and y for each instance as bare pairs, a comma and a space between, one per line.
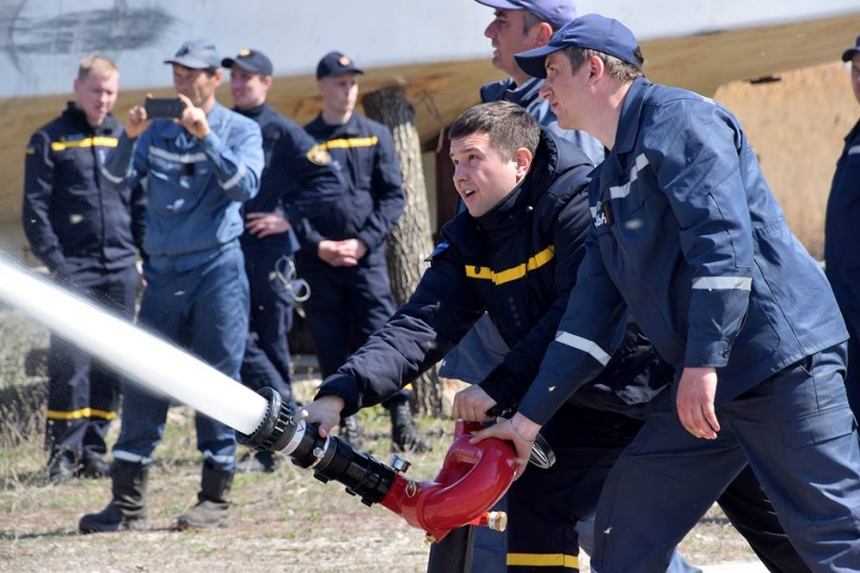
75, 114
349, 128
254, 112
523, 94
631, 110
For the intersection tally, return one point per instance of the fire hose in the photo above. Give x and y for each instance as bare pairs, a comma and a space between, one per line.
472, 479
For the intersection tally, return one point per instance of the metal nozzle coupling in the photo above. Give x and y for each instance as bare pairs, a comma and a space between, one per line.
329, 457
495, 520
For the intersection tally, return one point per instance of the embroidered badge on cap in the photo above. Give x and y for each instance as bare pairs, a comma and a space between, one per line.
344, 61
318, 156
244, 52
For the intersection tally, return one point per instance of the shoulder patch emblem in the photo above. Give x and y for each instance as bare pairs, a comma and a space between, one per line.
318, 155
440, 248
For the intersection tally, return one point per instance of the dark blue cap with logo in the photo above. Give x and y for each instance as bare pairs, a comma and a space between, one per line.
591, 31
196, 54
252, 61
848, 54
334, 64
556, 13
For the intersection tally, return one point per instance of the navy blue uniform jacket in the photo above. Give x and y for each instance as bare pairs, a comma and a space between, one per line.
842, 232
688, 237
73, 221
372, 201
517, 262
292, 167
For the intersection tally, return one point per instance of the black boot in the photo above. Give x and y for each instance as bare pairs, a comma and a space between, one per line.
350, 432
404, 436
62, 466
127, 509
212, 509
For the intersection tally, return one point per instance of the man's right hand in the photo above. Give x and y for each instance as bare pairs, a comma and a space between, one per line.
472, 404
137, 122
325, 410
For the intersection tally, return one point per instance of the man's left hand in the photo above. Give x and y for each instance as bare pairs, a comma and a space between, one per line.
695, 402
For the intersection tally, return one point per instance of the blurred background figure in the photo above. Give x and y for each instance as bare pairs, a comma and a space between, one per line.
269, 243
343, 252
85, 234
842, 235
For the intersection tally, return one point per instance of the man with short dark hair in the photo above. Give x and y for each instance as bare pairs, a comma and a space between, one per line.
686, 236
86, 235
518, 25
199, 168
295, 174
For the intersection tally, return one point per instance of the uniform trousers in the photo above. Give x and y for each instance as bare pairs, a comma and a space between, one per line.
200, 302
346, 306
83, 393
267, 353
799, 436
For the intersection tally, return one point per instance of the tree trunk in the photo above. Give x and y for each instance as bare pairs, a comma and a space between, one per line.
412, 239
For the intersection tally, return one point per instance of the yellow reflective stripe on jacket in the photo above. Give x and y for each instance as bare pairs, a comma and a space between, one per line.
543, 560
512, 273
351, 142
82, 413
88, 142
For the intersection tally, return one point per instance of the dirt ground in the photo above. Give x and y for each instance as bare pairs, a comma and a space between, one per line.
286, 521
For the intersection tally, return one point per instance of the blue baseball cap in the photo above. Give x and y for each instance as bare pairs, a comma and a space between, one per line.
252, 61
196, 54
848, 54
593, 32
556, 12
334, 64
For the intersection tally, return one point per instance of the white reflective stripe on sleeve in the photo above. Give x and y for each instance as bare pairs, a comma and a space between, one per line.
111, 177
583, 344
130, 457
723, 283
235, 179
223, 460
854, 150
177, 157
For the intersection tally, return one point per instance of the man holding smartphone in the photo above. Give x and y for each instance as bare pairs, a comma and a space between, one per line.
200, 168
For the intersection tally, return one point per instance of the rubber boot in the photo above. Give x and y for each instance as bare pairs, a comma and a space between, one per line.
350, 432
212, 509
404, 436
127, 509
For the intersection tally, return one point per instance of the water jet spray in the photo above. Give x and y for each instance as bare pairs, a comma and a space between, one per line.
472, 479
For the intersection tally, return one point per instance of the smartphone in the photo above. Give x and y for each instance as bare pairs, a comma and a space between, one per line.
163, 108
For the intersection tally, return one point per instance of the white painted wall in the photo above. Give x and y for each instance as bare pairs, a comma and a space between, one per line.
42, 40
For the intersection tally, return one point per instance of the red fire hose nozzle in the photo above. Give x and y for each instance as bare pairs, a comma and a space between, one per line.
472, 479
